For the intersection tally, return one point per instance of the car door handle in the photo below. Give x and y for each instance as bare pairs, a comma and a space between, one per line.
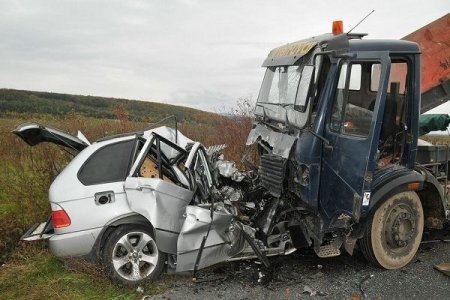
145, 186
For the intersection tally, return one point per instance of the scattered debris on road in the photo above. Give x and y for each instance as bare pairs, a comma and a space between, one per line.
363, 282
444, 268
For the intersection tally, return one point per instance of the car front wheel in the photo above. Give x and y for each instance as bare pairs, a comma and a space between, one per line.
131, 255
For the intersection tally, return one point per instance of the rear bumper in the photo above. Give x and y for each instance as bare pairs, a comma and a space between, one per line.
78, 243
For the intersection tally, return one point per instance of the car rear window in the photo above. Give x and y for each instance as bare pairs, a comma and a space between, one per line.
108, 164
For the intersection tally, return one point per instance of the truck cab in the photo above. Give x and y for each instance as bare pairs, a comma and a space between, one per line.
336, 130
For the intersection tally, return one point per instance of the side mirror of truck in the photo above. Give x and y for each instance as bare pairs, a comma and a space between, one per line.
304, 88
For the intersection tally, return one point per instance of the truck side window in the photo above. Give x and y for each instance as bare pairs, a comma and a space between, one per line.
350, 114
397, 86
398, 74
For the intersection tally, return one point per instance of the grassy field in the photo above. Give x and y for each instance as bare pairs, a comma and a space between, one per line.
57, 104
29, 271
33, 273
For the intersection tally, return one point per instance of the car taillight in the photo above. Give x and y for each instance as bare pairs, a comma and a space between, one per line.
60, 219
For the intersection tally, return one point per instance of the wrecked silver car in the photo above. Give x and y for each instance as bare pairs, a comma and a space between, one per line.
144, 200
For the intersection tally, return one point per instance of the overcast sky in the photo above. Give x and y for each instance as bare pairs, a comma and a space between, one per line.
203, 54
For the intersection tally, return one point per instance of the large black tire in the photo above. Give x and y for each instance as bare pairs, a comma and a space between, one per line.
394, 232
131, 255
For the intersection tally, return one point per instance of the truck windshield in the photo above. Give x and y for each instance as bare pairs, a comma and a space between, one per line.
280, 85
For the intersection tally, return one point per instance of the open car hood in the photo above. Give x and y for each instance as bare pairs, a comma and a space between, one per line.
35, 133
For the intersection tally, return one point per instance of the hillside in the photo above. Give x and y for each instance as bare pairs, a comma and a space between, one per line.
98, 107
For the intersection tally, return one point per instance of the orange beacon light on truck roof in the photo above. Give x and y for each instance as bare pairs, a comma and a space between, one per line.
338, 27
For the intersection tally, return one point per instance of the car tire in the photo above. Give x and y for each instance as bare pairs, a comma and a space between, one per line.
394, 232
131, 255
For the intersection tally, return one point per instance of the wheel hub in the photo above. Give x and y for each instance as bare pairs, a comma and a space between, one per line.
401, 226
135, 255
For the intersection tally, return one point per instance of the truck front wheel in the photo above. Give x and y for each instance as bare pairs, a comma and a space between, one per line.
394, 232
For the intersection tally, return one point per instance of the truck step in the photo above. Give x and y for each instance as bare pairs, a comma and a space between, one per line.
330, 250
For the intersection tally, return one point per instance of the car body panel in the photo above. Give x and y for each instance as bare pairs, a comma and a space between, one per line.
222, 239
35, 133
74, 244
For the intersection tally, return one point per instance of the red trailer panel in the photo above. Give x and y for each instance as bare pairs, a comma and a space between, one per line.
434, 40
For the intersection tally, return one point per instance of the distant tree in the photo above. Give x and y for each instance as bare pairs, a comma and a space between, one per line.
121, 112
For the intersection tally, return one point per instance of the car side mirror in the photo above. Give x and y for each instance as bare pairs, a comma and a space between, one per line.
304, 88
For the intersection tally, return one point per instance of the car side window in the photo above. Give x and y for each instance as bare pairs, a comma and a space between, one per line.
108, 164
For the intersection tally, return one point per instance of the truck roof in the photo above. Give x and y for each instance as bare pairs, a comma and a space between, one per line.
393, 46
290, 53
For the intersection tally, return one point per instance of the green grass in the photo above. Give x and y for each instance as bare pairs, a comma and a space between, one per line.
7, 207
33, 273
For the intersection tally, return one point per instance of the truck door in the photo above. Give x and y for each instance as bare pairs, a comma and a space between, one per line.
352, 129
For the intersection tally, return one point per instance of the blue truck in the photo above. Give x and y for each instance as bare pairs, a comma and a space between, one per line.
336, 131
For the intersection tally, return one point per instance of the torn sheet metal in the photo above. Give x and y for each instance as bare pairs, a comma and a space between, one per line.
224, 240
281, 143
228, 170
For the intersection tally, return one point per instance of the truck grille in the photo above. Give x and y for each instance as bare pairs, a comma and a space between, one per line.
272, 171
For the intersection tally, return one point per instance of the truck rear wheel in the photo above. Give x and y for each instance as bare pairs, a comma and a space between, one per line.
394, 232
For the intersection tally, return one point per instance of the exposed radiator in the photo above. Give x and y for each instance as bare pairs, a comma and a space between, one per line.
272, 172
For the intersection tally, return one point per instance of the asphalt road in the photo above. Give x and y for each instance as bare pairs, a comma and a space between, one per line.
303, 275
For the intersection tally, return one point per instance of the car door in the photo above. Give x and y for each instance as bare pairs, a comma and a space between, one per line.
157, 198
352, 130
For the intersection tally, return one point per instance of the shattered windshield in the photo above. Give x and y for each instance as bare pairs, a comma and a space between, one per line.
280, 85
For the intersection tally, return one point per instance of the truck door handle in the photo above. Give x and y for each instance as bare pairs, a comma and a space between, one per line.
328, 148
145, 186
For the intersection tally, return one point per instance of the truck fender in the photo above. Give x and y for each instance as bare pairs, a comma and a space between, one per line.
389, 186
432, 197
